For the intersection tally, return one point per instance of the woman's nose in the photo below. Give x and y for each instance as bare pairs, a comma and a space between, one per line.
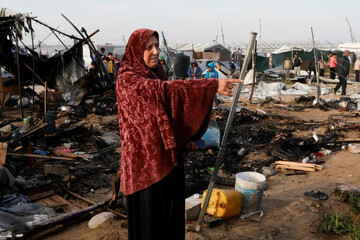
155, 51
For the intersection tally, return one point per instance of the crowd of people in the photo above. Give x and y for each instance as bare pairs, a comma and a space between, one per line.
111, 63
338, 66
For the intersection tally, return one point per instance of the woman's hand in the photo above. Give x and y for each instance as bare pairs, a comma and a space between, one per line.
226, 85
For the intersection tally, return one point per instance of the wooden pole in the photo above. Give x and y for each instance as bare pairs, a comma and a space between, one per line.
18, 68
254, 73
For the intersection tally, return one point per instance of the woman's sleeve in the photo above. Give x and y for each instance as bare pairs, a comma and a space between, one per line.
181, 107
188, 104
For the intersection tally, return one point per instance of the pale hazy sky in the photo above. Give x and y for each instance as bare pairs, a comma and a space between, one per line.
185, 21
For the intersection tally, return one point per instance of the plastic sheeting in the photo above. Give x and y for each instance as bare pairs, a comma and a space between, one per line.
264, 90
16, 211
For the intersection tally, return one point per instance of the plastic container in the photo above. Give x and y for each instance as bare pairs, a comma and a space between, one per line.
181, 65
223, 203
251, 185
100, 218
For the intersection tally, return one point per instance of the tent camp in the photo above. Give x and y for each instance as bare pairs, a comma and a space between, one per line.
352, 47
214, 50
278, 56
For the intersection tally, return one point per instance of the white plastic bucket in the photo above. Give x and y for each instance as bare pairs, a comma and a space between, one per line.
251, 185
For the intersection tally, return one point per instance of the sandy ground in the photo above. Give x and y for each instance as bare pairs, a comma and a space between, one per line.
288, 214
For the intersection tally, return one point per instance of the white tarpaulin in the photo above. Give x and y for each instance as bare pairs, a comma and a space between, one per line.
249, 77
287, 48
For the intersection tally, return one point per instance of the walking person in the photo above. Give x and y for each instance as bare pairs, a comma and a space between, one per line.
343, 69
287, 68
156, 119
312, 68
297, 64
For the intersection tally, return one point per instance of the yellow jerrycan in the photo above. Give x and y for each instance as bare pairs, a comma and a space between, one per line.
223, 203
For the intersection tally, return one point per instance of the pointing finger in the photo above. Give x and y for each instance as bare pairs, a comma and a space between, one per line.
234, 80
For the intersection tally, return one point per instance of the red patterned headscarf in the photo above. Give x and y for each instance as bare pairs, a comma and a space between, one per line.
133, 56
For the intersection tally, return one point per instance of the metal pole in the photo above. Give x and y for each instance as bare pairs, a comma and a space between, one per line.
254, 73
260, 32
18, 67
222, 150
168, 53
33, 66
316, 69
222, 33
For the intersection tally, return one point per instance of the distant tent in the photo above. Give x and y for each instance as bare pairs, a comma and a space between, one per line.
287, 48
279, 56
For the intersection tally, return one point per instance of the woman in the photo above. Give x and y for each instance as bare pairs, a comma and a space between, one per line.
157, 118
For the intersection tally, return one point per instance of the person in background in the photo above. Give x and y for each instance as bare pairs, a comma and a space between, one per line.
357, 69
312, 67
116, 65
93, 78
156, 120
297, 64
111, 57
241, 62
212, 73
194, 71
110, 67
164, 65
321, 64
105, 61
332, 65
342, 70
102, 53
287, 68
232, 67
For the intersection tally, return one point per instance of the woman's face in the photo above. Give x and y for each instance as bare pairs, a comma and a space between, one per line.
151, 53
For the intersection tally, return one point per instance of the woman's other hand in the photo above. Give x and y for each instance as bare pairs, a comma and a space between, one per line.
226, 85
